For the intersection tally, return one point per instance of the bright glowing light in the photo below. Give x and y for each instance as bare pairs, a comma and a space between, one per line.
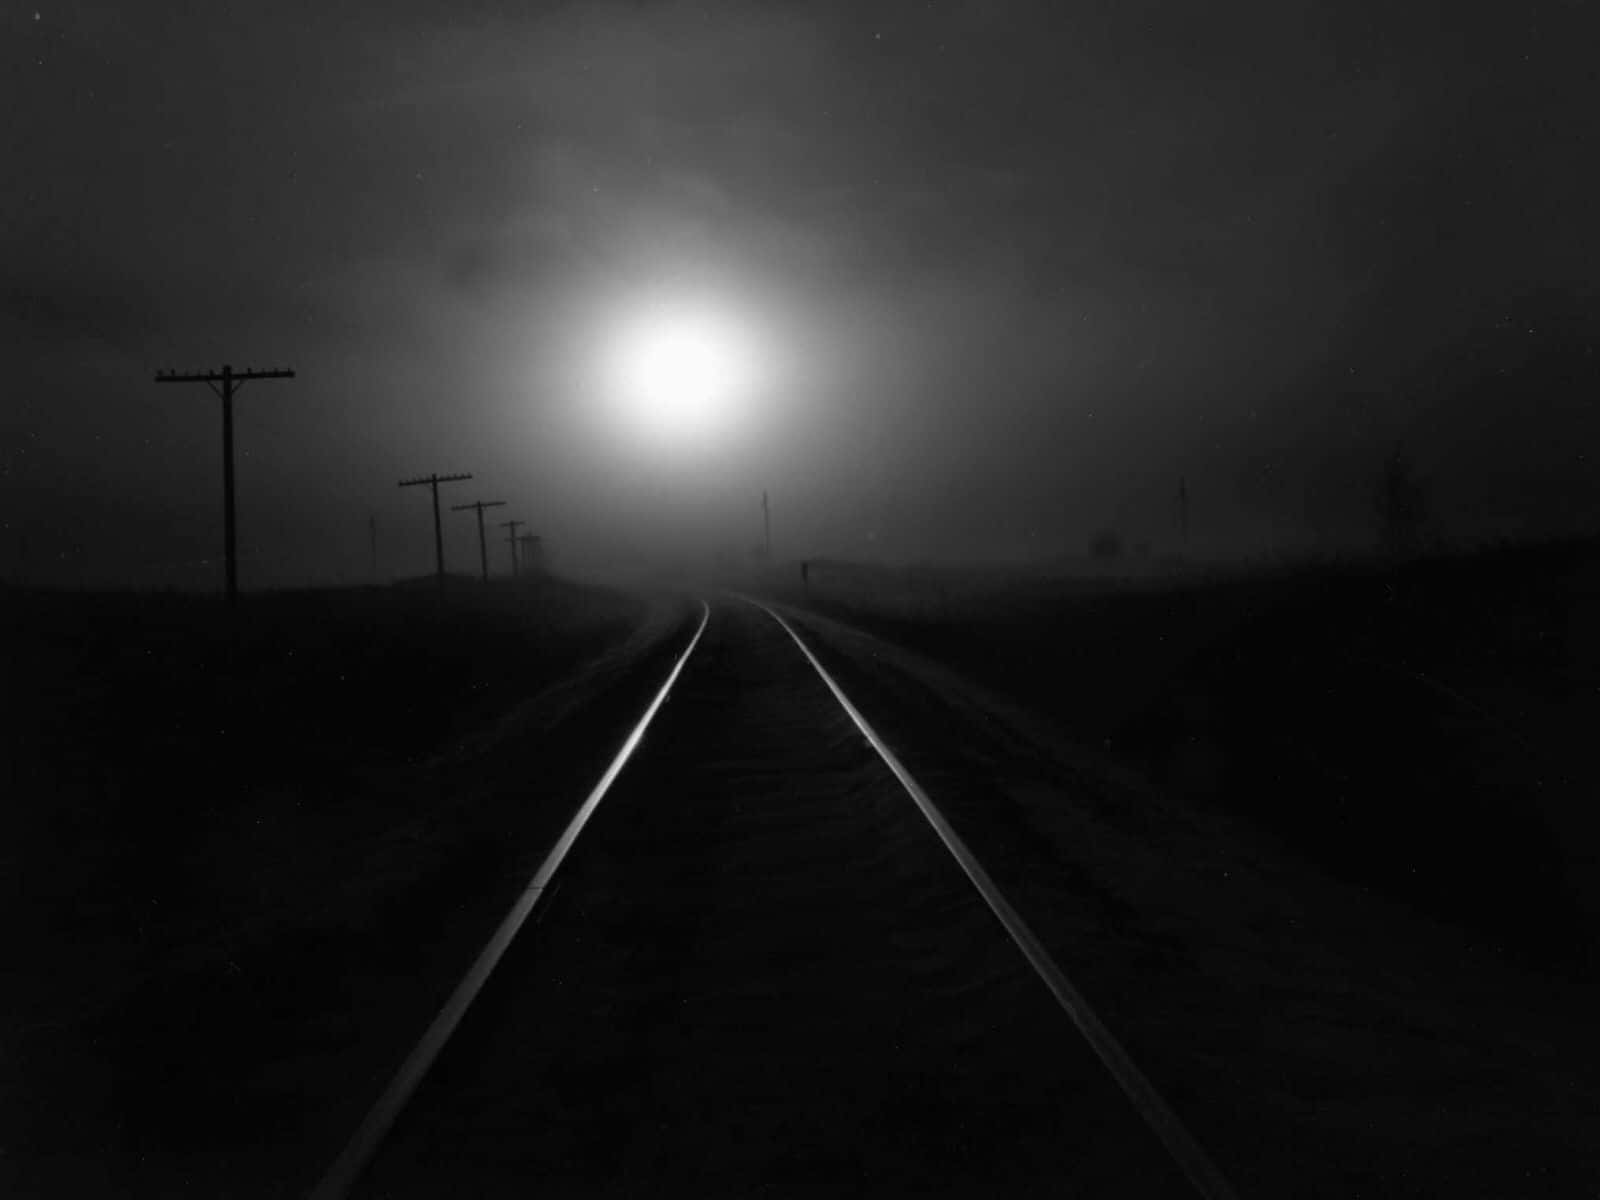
682, 378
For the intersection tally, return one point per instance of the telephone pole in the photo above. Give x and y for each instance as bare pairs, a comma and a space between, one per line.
372, 541
483, 546
434, 481
766, 521
532, 555
1183, 511
231, 382
511, 539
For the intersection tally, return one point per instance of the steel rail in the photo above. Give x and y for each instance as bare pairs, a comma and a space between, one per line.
353, 1159
1190, 1157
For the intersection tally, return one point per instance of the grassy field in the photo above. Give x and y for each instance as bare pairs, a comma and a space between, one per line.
1420, 728
244, 855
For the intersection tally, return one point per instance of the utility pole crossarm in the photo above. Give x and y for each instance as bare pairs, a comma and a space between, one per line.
433, 479
219, 376
230, 379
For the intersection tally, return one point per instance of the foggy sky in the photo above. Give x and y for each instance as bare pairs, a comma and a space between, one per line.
1018, 268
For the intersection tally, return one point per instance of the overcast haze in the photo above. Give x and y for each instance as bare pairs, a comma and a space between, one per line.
1011, 270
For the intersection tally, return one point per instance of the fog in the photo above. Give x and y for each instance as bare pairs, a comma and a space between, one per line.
1011, 272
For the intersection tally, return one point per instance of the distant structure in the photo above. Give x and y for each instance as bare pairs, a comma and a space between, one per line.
231, 382
1105, 546
532, 553
1400, 502
433, 481
483, 545
511, 540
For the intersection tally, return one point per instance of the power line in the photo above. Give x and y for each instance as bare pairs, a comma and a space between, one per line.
433, 481
483, 546
231, 382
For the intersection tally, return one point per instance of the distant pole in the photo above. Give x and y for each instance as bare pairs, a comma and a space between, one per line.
483, 545
1183, 510
231, 382
511, 539
372, 544
434, 481
766, 520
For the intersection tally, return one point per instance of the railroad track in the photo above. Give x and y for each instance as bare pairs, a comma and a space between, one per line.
771, 967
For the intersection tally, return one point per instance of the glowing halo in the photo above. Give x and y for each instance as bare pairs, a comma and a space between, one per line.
680, 378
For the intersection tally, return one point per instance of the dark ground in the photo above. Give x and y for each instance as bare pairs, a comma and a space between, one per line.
1319, 844
764, 976
1351, 938
1421, 729
245, 858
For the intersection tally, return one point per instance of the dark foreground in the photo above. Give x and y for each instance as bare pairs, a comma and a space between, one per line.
1422, 730
763, 975
1322, 840
758, 973
245, 857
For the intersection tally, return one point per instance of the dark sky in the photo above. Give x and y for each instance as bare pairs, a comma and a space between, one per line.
1011, 270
